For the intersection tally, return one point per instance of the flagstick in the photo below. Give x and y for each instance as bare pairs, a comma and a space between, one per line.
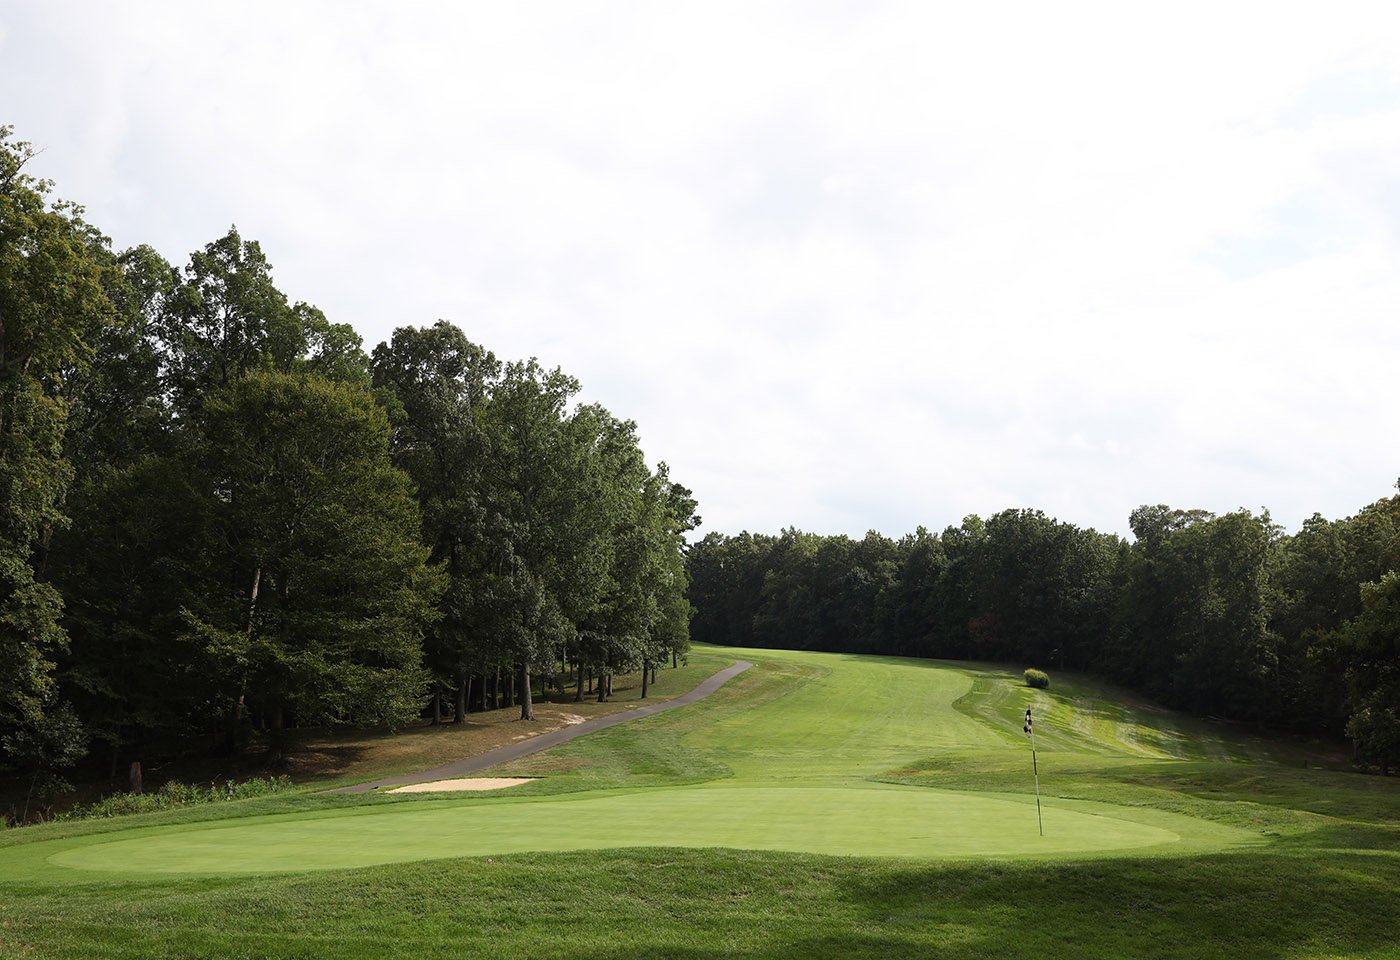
1035, 767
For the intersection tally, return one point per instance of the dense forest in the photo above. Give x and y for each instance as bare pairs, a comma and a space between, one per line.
1224, 616
223, 517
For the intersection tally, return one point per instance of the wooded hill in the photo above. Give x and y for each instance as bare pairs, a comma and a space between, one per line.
222, 514
1225, 616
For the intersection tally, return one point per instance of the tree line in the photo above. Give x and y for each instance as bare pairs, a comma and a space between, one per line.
1224, 616
221, 514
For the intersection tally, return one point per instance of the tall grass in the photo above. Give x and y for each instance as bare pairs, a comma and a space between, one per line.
175, 794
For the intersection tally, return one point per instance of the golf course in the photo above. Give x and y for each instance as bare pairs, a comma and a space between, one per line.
814, 804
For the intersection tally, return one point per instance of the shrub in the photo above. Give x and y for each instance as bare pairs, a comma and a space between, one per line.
1038, 679
176, 794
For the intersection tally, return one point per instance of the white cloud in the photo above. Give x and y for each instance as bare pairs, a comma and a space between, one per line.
848, 266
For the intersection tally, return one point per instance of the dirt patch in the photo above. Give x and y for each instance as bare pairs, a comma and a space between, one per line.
466, 783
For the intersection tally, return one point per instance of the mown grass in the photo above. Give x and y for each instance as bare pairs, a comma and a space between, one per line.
1323, 883
726, 903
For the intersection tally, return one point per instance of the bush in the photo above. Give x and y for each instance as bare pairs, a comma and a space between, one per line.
1038, 679
176, 794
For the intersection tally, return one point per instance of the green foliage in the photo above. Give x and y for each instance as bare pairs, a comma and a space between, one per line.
173, 794
434, 382
317, 589
554, 536
52, 306
42, 747
1037, 678
1369, 646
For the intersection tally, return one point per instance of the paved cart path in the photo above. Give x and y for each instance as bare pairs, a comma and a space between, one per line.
514, 751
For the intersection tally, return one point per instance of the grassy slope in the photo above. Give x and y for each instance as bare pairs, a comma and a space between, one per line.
1325, 886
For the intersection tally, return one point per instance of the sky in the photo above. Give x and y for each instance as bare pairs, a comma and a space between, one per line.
849, 265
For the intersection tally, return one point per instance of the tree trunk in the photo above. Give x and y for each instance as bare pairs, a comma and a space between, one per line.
134, 776
437, 705
243, 693
610, 689
646, 669
673, 659
578, 693
527, 703
462, 683
277, 740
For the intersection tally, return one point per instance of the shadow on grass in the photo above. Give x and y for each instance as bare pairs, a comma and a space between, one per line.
1265, 907
706, 905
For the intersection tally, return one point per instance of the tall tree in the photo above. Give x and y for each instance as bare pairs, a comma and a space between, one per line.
546, 571
53, 303
439, 382
1369, 647
319, 589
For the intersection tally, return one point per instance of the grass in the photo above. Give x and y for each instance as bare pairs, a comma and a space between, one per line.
709, 832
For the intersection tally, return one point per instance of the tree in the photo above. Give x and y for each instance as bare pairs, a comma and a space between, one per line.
319, 590
1369, 647
131, 561
224, 319
549, 563
1194, 617
439, 383
909, 608
52, 302
726, 586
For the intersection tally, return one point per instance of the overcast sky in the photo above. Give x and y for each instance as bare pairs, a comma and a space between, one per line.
848, 265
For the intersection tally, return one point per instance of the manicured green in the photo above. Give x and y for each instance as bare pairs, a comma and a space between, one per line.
920, 768
871, 821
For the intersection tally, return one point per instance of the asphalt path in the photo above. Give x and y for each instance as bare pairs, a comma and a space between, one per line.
514, 751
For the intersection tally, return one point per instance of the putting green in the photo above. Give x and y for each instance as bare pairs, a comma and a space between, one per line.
868, 821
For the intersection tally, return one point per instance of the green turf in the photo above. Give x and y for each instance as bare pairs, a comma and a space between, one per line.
870, 821
1165, 838
840, 721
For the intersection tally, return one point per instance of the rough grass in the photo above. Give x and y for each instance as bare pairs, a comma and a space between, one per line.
1320, 880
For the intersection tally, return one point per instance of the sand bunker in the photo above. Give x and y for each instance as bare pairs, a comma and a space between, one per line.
466, 783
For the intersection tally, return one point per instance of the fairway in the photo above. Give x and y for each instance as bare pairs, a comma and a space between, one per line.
791, 770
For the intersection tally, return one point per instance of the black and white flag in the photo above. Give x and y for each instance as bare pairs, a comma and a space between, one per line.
1027, 728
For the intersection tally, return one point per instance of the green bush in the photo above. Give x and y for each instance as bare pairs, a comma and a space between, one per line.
176, 794
1038, 679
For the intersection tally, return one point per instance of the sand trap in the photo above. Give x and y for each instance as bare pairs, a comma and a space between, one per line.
466, 783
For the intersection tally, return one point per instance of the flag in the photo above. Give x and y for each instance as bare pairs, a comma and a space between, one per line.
1035, 768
